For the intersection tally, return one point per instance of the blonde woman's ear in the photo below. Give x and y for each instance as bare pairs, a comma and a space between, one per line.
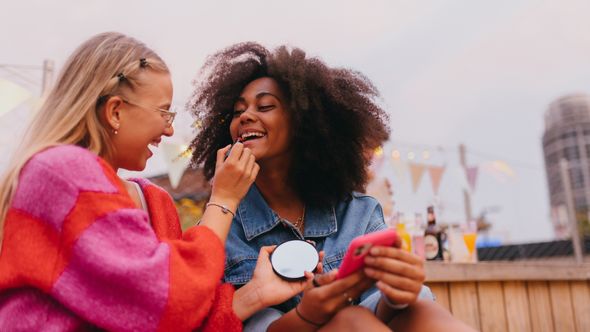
112, 112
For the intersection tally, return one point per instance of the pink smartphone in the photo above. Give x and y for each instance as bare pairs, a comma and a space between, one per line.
354, 259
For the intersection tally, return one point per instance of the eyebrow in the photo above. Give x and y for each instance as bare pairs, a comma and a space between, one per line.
259, 95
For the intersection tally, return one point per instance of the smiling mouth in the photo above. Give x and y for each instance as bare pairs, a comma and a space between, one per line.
251, 136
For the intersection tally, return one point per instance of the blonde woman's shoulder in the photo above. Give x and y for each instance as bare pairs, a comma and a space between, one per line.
77, 165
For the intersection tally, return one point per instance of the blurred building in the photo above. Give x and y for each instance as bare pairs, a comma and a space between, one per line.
567, 138
190, 195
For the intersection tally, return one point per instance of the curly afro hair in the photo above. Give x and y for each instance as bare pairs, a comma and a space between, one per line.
334, 117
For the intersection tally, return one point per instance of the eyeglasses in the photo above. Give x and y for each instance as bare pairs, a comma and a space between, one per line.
166, 114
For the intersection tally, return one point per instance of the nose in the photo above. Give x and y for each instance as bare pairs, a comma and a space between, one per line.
169, 131
248, 115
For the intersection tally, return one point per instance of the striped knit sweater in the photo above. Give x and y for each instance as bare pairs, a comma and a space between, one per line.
78, 255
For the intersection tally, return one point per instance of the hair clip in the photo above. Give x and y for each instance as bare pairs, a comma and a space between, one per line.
143, 63
101, 99
121, 77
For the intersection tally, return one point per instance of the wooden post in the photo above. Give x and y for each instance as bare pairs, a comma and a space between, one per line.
466, 195
571, 210
47, 76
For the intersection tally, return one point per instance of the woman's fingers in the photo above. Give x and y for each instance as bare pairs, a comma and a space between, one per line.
328, 294
396, 261
265, 251
221, 155
243, 159
393, 280
236, 152
357, 290
320, 266
332, 288
234, 174
324, 278
250, 166
400, 274
398, 254
396, 295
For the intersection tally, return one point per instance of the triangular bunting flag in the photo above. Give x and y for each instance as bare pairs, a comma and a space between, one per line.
177, 161
500, 170
400, 169
472, 176
416, 170
380, 189
436, 173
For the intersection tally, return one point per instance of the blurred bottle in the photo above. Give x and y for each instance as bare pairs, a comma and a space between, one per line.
393, 220
433, 238
446, 245
405, 236
456, 248
418, 236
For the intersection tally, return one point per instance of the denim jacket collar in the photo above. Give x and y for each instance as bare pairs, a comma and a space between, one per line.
258, 218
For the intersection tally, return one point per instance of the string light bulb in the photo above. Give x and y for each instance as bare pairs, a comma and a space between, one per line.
378, 151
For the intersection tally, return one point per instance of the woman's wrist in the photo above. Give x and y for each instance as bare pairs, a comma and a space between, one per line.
301, 316
385, 310
246, 301
392, 305
311, 316
229, 202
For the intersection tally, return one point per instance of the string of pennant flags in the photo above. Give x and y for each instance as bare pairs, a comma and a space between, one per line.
408, 165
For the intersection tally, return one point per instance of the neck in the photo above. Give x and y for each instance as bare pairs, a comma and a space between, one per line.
111, 162
130, 187
272, 182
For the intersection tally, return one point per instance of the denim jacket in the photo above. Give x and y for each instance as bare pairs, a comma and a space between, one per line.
256, 225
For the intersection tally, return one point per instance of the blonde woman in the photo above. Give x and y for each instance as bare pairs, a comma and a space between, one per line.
83, 248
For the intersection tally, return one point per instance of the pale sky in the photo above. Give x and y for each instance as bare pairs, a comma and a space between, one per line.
480, 73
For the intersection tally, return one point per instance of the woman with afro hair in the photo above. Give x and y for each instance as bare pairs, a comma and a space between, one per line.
312, 130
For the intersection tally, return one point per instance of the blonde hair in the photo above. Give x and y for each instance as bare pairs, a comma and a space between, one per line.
101, 66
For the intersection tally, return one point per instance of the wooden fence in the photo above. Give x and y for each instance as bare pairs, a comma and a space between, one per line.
515, 296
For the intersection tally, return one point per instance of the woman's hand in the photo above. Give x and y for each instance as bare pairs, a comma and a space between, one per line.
327, 295
234, 175
266, 288
399, 274
273, 289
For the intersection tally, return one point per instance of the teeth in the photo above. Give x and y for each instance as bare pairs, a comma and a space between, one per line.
155, 144
252, 134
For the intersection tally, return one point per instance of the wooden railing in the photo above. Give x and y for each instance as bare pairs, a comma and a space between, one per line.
515, 296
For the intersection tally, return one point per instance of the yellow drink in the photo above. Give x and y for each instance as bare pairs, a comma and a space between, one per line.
469, 239
405, 237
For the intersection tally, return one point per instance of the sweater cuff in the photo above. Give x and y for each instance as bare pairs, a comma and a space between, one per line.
223, 317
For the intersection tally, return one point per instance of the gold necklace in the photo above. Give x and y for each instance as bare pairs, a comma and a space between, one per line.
300, 222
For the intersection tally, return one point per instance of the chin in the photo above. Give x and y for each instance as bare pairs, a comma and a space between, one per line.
257, 155
136, 166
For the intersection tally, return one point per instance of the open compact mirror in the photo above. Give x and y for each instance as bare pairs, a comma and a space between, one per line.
292, 258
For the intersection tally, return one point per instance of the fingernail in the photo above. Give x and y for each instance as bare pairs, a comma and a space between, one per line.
369, 259
374, 251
